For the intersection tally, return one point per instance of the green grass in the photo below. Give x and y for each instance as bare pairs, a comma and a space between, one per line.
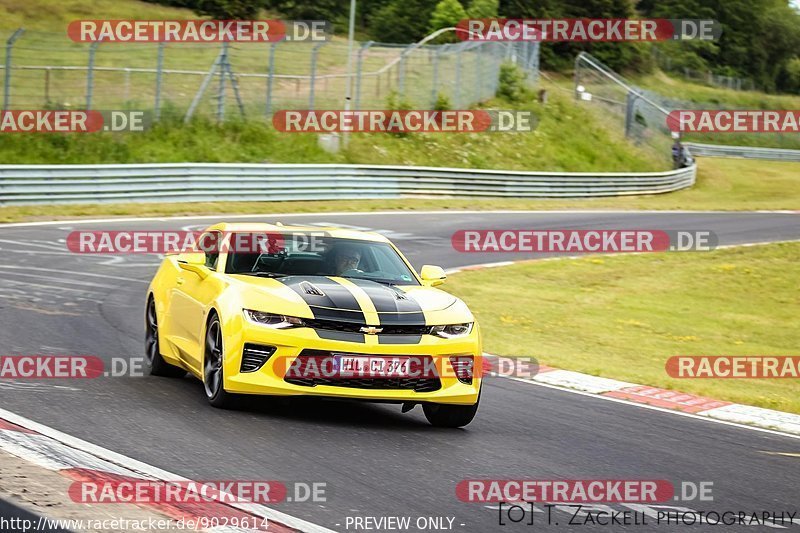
565, 139
622, 317
723, 184
674, 87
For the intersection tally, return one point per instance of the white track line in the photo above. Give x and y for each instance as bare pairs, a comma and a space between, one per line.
157, 473
61, 271
654, 408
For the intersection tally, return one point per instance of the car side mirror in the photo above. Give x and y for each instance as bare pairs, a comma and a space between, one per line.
194, 262
432, 275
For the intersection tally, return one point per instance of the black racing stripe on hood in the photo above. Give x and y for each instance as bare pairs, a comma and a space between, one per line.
392, 304
337, 303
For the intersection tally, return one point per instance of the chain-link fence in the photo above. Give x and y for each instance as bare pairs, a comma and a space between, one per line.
46, 70
705, 77
642, 118
642, 114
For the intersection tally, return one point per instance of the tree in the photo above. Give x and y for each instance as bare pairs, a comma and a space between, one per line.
329, 10
401, 21
447, 14
227, 9
483, 9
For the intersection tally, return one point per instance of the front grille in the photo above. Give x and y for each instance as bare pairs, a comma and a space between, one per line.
355, 327
254, 356
417, 384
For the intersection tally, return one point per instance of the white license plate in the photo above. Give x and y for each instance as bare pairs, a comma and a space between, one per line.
371, 367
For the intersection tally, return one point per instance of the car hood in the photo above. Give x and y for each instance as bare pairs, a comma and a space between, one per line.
349, 299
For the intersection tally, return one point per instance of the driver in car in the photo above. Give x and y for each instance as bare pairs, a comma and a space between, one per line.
345, 257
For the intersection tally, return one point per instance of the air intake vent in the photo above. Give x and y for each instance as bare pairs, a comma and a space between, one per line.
312, 289
399, 295
254, 356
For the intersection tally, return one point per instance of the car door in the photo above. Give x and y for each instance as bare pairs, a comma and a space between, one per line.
191, 297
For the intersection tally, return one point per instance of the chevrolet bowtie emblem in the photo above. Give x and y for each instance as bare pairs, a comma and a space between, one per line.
371, 330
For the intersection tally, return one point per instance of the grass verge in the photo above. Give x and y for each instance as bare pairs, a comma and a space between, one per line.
722, 184
622, 317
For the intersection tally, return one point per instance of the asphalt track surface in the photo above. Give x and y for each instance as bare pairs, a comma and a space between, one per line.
14, 519
375, 461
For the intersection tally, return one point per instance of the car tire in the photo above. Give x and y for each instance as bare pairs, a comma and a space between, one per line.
155, 364
213, 368
450, 416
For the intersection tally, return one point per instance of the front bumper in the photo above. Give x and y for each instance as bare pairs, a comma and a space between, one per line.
289, 343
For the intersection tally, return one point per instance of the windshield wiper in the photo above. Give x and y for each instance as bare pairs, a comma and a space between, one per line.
265, 274
376, 280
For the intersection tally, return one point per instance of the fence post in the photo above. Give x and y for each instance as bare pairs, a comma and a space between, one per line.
221, 94
270, 78
577, 76
47, 86
630, 114
364, 47
203, 86
127, 90
7, 80
478, 74
457, 95
314, 52
90, 74
401, 74
435, 81
534, 67
159, 74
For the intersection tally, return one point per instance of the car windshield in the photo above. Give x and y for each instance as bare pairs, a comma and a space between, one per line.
294, 254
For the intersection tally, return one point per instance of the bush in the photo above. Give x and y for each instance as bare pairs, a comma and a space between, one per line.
512, 85
442, 103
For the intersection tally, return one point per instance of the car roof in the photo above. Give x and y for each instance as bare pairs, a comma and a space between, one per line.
332, 231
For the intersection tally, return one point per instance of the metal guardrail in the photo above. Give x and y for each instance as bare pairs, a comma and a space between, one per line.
748, 152
203, 182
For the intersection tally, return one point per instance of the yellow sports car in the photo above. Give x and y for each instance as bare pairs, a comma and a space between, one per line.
280, 310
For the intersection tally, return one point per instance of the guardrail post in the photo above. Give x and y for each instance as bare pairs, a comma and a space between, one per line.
314, 52
90, 74
159, 78
7, 79
270, 78
364, 47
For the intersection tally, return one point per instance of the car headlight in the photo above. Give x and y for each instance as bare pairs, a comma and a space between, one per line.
452, 330
271, 320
